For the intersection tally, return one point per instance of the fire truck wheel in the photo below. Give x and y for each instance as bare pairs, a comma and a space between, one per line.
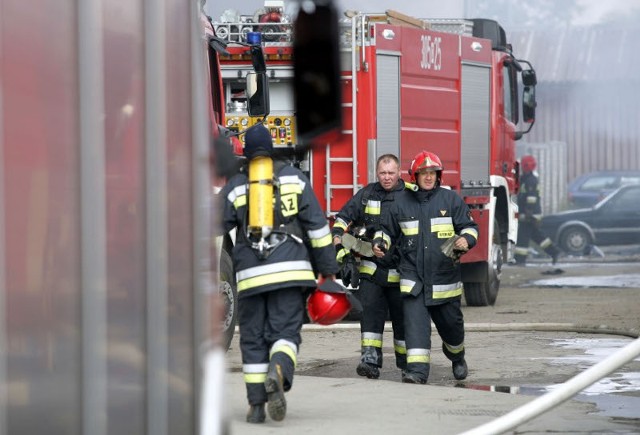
482, 294
229, 296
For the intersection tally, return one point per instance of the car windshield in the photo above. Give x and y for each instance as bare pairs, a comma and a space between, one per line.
625, 201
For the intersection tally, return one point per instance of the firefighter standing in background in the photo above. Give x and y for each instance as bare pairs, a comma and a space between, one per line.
380, 282
274, 209
420, 222
530, 214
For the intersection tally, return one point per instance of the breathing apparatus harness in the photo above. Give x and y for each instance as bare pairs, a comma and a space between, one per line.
265, 230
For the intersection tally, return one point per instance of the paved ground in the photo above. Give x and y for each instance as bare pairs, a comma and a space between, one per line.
518, 346
328, 397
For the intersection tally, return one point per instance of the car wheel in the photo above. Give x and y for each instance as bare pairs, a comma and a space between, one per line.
229, 295
574, 240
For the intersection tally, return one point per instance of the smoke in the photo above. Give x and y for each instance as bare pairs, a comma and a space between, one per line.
586, 74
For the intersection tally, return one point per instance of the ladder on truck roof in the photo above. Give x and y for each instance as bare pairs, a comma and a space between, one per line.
354, 33
348, 45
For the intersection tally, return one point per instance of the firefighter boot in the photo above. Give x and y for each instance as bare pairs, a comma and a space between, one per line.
414, 378
274, 384
368, 370
370, 361
521, 260
553, 253
256, 413
460, 370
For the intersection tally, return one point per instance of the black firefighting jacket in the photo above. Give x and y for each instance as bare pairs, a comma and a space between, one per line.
366, 209
418, 224
296, 211
529, 207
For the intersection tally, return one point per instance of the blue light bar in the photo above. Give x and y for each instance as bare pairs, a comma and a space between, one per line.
254, 38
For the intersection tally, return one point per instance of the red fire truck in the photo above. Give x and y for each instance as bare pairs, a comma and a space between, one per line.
448, 86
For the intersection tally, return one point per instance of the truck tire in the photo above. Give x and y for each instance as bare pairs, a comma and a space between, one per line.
482, 294
229, 295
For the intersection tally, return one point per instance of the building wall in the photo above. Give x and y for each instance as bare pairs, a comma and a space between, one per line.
588, 93
600, 124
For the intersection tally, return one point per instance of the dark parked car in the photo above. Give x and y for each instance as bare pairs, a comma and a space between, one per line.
613, 221
586, 190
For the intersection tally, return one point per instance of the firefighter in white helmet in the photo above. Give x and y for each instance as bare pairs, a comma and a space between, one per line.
530, 214
379, 280
421, 221
281, 229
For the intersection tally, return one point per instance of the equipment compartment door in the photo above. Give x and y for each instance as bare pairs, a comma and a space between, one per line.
388, 104
475, 124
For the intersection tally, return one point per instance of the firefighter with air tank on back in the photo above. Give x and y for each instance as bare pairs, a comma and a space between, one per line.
280, 227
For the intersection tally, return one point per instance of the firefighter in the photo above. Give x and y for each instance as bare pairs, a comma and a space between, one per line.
379, 288
421, 221
530, 214
280, 230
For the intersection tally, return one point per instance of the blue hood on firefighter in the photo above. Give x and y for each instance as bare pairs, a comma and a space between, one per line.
257, 142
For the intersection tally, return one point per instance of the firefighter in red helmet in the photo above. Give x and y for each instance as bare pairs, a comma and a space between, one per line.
421, 221
280, 229
530, 214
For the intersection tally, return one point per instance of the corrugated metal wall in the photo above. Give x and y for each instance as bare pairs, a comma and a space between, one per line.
588, 94
600, 123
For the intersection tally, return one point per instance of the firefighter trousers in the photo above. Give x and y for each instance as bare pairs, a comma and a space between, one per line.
449, 323
270, 325
527, 231
376, 300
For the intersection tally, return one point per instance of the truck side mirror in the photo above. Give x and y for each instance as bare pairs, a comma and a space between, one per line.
257, 94
316, 81
529, 82
529, 77
529, 104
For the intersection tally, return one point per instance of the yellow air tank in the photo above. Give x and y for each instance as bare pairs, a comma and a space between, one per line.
261, 196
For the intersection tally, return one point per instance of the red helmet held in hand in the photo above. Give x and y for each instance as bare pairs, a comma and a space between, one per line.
327, 308
330, 303
426, 160
528, 163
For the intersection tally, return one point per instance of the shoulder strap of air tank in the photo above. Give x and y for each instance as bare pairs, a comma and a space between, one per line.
278, 165
367, 191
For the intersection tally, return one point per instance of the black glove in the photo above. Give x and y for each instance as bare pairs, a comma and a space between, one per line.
345, 273
349, 272
355, 274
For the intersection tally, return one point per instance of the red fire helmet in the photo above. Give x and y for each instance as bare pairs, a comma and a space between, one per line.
425, 160
327, 308
528, 163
